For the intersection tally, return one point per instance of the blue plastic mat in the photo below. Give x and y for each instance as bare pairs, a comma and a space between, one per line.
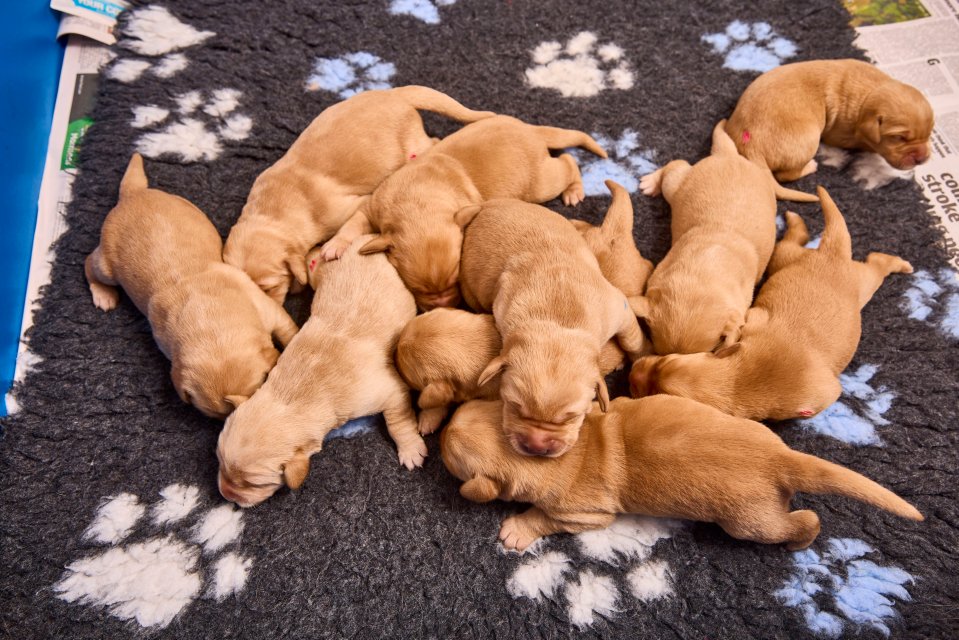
30, 59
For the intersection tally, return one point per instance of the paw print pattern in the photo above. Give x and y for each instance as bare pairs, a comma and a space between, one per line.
934, 299
590, 592
750, 47
152, 580
155, 34
580, 69
425, 10
199, 129
868, 170
859, 591
351, 74
625, 164
855, 425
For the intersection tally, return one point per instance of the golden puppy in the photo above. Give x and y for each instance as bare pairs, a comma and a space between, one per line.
782, 116
554, 311
421, 210
661, 456
208, 318
799, 336
338, 367
724, 230
443, 352
330, 170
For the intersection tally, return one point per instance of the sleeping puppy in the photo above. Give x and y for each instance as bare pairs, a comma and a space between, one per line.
554, 311
330, 170
800, 335
782, 116
337, 368
661, 456
443, 352
723, 230
208, 318
421, 210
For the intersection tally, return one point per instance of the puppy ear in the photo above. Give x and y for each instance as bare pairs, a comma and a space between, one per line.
480, 489
235, 401
294, 471
465, 215
493, 369
725, 352
380, 244
871, 127
602, 394
436, 394
297, 266
640, 306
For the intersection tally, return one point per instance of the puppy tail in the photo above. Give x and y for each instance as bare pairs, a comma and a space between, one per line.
835, 235
618, 222
428, 99
782, 193
134, 178
556, 138
722, 144
808, 473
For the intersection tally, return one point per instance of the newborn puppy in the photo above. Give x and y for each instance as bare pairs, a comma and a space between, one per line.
338, 367
614, 247
661, 456
723, 230
554, 311
326, 175
421, 210
782, 116
799, 336
443, 352
208, 318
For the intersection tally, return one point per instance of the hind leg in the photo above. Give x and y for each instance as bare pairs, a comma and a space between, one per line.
792, 246
797, 528
665, 180
559, 176
97, 270
629, 335
788, 175
874, 270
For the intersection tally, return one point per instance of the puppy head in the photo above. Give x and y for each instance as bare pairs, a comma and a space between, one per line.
472, 449
547, 384
216, 381
261, 449
896, 121
688, 322
263, 253
699, 376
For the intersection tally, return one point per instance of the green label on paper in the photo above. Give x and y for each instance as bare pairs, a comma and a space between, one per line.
71, 146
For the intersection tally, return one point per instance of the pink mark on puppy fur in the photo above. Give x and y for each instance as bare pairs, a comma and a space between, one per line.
746, 136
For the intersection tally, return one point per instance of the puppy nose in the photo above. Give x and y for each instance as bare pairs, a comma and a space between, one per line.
226, 491
921, 157
537, 444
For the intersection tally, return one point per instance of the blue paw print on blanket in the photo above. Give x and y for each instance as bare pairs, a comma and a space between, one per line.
750, 47
934, 299
860, 590
355, 428
425, 10
626, 165
351, 74
855, 426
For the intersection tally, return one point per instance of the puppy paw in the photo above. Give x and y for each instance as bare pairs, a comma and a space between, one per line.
412, 455
104, 297
574, 194
650, 184
334, 249
430, 420
809, 168
514, 536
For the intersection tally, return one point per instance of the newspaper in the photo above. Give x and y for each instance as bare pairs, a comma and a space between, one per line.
918, 42
91, 18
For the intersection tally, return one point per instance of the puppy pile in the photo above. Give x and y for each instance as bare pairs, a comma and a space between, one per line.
380, 219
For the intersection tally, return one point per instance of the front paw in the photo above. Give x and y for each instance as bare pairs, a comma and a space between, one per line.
413, 454
334, 249
430, 420
104, 297
514, 535
574, 194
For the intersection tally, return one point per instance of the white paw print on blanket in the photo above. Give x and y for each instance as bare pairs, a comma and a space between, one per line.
153, 580
869, 170
425, 10
198, 129
751, 47
351, 74
155, 34
626, 163
580, 69
625, 547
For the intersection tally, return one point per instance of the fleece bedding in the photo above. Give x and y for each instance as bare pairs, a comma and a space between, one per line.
110, 522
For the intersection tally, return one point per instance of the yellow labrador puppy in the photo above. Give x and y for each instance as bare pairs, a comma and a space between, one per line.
800, 335
421, 210
723, 233
330, 170
554, 310
338, 367
661, 456
208, 318
782, 116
